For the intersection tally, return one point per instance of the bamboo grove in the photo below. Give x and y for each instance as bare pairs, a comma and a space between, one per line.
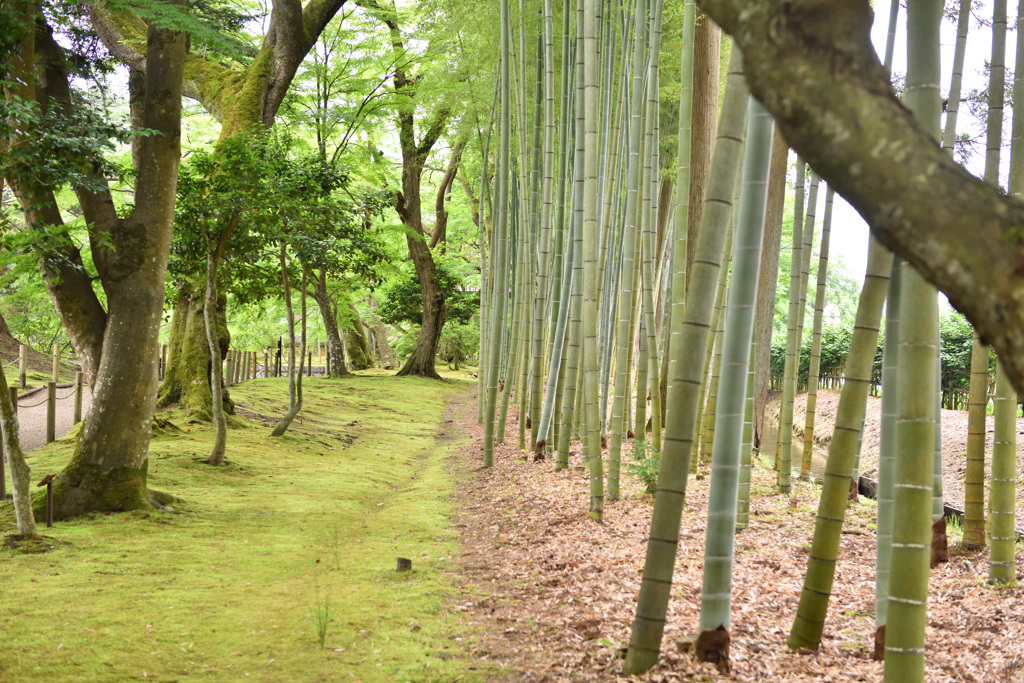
622, 276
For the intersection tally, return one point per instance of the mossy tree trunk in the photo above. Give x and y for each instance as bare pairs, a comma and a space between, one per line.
240, 98
118, 341
188, 349
360, 355
21, 473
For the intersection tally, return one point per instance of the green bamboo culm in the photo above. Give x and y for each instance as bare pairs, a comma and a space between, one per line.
568, 392
649, 240
887, 452
1002, 499
746, 448
663, 541
716, 595
792, 341
977, 403
1001, 566
547, 190
591, 370
842, 452
623, 345
499, 261
677, 301
815, 362
915, 429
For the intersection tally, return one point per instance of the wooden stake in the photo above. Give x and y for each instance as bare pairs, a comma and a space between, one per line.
51, 411
78, 397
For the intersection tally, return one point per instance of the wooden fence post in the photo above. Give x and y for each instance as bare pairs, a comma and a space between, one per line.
56, 362
51, 411
23, 366
78, 397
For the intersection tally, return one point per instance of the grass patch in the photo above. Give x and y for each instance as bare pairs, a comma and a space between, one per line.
292, 544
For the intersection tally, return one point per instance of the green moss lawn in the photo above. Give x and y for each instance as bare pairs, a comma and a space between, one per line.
296, 538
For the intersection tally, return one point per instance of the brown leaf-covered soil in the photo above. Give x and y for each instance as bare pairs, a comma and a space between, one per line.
954, 442
550, 594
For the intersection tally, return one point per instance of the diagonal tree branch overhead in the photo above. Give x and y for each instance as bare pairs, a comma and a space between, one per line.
813, 66
231, 94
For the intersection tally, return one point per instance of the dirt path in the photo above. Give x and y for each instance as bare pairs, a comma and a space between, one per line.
551, 595
954, 441
32, 415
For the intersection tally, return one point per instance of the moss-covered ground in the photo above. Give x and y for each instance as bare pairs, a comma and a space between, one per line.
233, 581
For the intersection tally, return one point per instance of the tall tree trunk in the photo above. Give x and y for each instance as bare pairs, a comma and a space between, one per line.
707, 40
294, 371
335, 347
768, 280
408, 202
240, 98
107, 471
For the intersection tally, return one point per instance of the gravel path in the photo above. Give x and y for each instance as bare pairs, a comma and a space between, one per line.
32, 415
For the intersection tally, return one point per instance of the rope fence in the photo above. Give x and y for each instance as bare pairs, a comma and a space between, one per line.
45, 400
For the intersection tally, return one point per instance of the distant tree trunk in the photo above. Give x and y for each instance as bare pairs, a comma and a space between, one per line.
707, 38
382, 348
335, 347
769, 280
21, 473
294, 373
408, 201
360, 355
188, 353
5, 332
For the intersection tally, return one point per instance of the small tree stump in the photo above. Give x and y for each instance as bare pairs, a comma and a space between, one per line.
404, 564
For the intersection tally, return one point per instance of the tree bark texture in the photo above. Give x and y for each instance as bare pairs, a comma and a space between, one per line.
767, 283
707, 40
360, 355
119, 345
335, 347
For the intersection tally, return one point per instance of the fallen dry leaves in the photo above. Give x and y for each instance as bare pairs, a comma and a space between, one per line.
551, 595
